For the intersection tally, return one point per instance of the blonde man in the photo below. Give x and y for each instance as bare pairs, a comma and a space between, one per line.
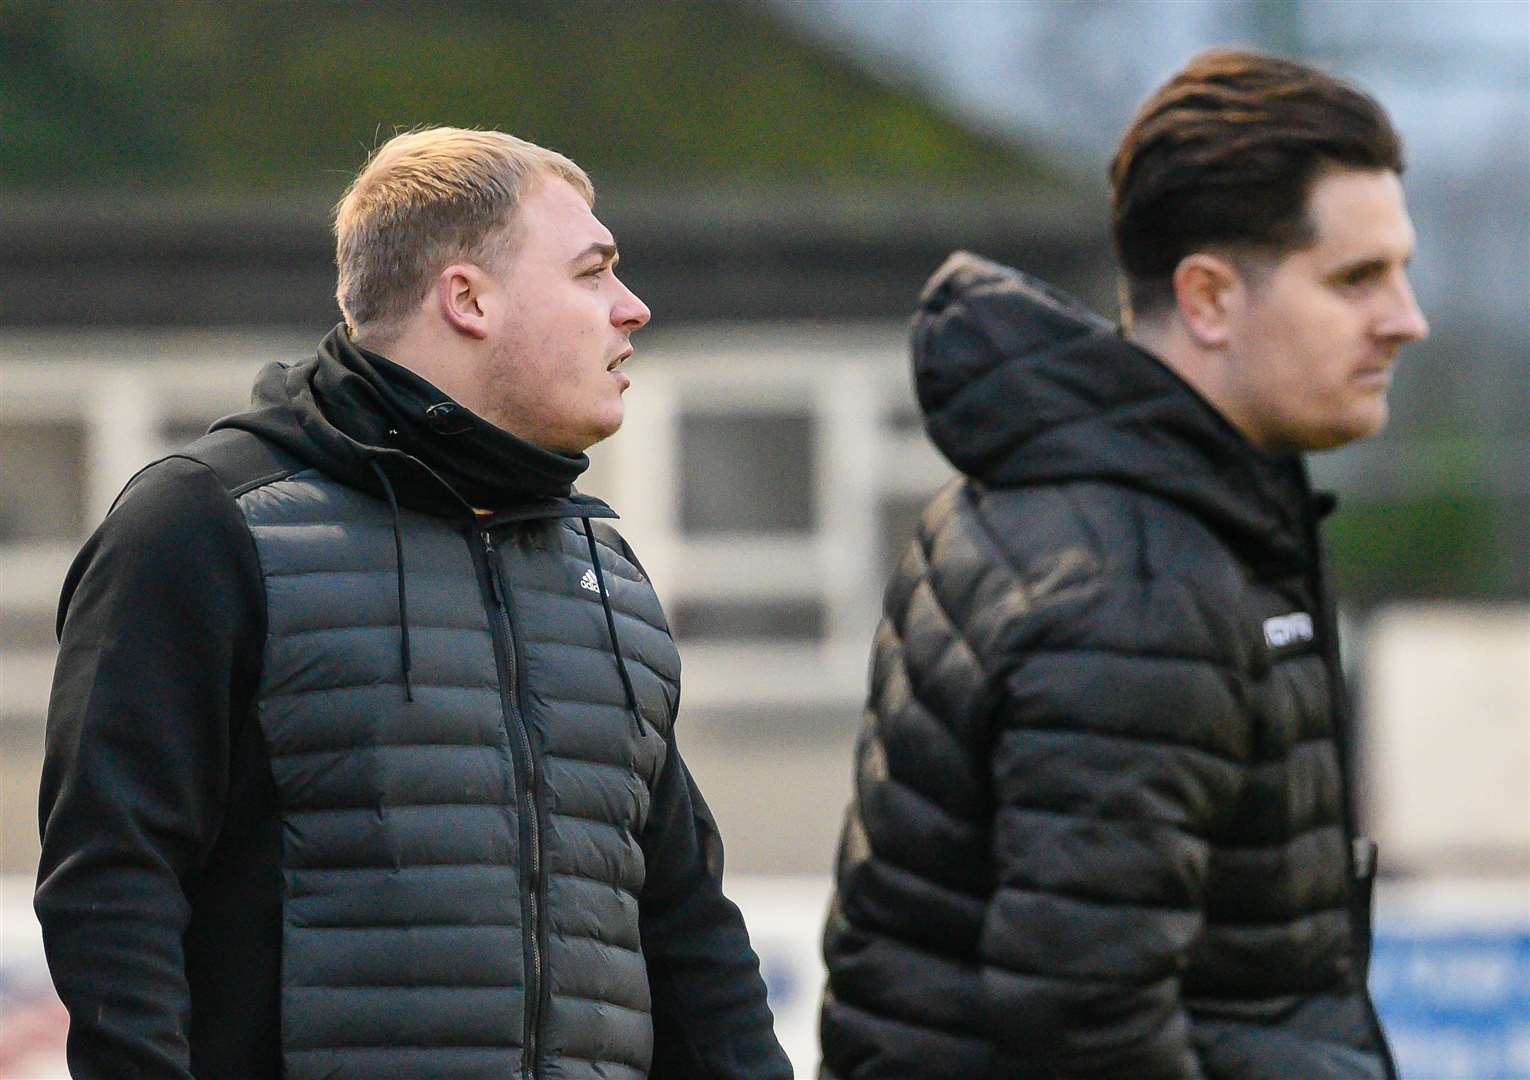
361, 752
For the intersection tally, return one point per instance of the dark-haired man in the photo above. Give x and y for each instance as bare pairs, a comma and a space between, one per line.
1102, 822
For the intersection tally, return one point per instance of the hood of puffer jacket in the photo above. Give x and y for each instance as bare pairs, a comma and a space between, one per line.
350, 412
1022, 384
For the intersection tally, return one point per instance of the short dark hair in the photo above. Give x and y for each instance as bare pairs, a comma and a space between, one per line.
1225, 153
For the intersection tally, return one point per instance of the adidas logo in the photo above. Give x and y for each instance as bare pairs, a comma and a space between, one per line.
1285, 630
589, 582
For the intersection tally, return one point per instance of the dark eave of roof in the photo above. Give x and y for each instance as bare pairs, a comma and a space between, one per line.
723, 252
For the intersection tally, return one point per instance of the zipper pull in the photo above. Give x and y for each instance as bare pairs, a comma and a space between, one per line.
488, 550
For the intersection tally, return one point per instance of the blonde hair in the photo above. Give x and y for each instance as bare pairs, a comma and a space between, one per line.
424, 199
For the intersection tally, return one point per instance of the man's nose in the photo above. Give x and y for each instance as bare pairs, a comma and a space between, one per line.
629, 312
1405, 322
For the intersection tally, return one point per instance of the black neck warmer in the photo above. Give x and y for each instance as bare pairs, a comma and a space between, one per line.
380, 403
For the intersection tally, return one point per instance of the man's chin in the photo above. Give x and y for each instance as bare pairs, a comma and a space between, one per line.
1351, 429
606, 427
1372, 420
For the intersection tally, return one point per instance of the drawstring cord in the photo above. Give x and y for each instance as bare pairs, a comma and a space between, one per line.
616, 648
398, 561
403, 602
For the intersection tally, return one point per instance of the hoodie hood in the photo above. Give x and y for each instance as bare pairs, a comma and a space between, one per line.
350, 412
1021, 384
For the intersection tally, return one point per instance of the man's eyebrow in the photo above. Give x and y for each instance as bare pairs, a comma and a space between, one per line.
1376, 264
605, 251
1370, 262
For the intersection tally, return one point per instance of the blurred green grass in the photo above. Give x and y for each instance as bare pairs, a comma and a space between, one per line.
245, 96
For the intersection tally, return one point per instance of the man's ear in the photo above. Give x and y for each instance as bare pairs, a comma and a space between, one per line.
457, 292
1205, 290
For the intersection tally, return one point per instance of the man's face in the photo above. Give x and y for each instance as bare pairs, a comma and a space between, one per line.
1312, 340
561, 322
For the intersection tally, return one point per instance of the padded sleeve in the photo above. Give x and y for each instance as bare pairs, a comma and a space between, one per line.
1110, 769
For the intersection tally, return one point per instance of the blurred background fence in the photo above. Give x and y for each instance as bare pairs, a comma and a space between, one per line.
781, 178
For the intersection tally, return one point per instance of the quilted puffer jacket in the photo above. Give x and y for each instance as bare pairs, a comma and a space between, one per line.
1100, 822
347, 778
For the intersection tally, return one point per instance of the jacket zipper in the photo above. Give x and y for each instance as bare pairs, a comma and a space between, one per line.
1339, 705
531, 840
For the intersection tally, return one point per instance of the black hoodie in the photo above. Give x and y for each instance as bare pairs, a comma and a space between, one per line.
1099, 826
160, 887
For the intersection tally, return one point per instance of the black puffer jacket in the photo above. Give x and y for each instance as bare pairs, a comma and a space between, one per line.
345, 779
1099, 825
